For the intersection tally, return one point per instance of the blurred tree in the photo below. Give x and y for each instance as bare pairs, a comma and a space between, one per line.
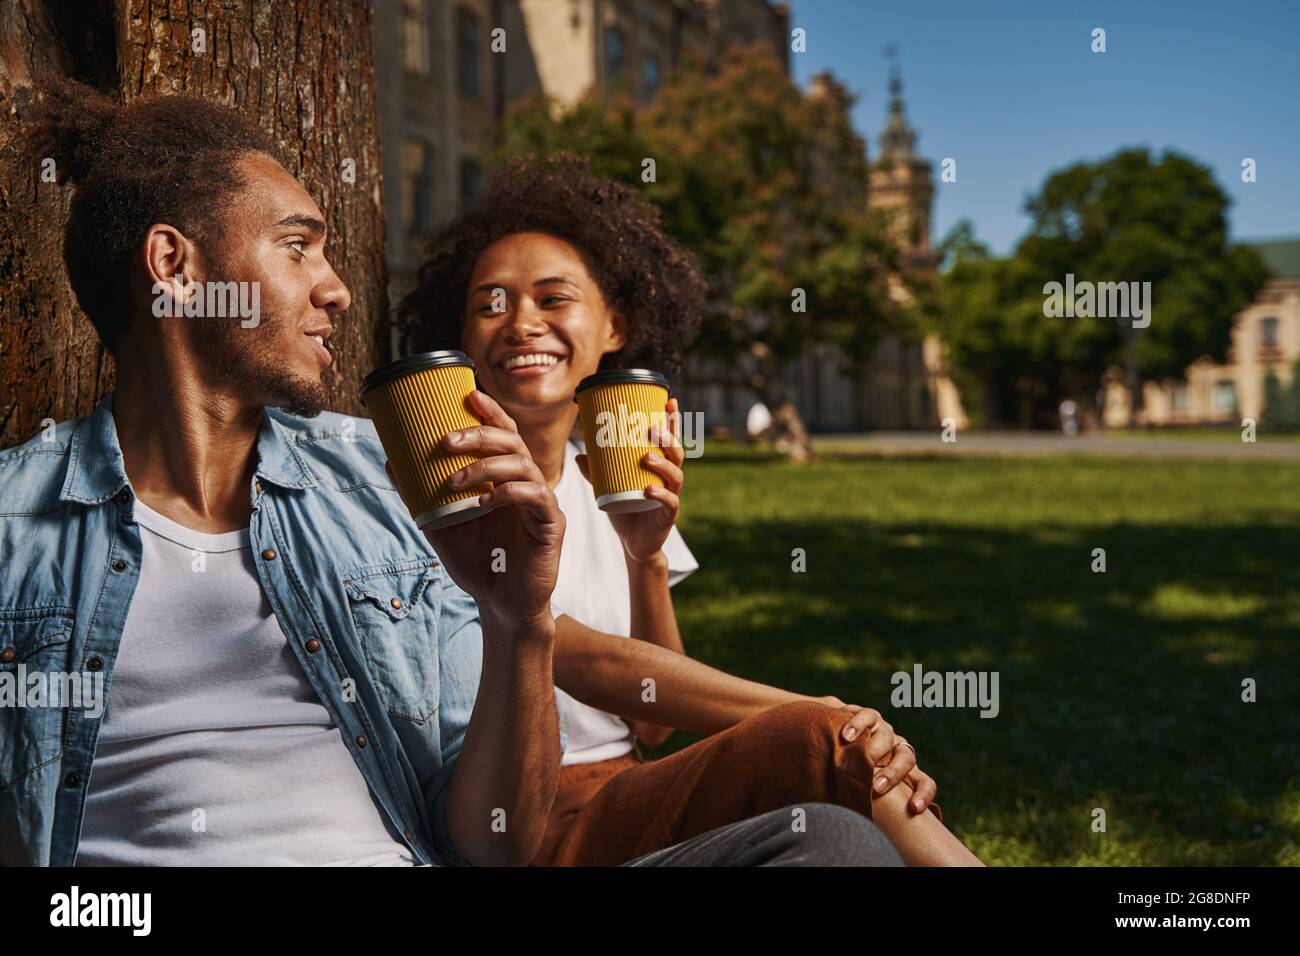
302, 71
1127, 219
1131, 219
766, 186
1281, 405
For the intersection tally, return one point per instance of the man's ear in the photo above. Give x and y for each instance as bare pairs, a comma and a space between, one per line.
170, 262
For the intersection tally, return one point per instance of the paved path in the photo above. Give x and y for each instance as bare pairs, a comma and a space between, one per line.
1047, 443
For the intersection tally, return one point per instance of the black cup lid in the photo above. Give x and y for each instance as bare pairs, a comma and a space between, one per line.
412, 364
621, 376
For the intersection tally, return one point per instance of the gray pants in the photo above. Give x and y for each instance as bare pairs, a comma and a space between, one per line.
823, 835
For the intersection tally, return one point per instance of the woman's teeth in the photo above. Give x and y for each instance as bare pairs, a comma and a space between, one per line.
319, 340
537, 358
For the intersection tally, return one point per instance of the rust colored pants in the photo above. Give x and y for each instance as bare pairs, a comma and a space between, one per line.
612, 811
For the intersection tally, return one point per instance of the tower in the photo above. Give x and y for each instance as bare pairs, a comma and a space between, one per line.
902, 187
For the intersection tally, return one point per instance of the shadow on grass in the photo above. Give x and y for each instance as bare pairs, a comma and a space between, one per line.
1118, 690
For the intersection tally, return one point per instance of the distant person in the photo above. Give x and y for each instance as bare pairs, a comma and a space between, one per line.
758, 423
1069, 417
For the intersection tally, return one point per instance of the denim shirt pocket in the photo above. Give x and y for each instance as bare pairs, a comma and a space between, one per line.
32, 641
395, 613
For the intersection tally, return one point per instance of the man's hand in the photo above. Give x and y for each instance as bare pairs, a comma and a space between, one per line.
895, 758
523, 519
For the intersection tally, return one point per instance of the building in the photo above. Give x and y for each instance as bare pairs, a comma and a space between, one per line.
575, 47
438, 89
447, 69
1265, 338
443, 77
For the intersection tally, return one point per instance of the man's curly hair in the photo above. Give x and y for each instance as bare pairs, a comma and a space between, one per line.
641, 272
169, 159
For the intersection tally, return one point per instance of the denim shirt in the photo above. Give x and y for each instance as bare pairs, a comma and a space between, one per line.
391, 645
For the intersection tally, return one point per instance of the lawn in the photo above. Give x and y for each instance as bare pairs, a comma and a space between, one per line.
1119, 690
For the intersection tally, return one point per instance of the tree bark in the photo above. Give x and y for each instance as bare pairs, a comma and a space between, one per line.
303, 71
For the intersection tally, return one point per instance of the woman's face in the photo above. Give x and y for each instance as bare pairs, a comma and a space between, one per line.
535, 324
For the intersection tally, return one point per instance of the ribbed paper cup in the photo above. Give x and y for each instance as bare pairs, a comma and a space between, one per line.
414, 403
617, 408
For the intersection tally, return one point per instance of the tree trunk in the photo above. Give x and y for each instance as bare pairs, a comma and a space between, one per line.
1132, 380
303, 72
788, 431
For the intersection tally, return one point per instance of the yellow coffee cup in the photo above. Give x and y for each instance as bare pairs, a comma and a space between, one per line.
618, 407
414, 402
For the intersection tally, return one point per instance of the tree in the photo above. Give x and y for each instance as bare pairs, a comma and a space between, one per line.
1281, 405
987, 319
302, 71
767, 188
1130, 219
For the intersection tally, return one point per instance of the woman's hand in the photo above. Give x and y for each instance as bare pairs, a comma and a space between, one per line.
643, 533
884, 749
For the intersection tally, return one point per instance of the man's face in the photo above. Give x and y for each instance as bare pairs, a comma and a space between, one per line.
274, 236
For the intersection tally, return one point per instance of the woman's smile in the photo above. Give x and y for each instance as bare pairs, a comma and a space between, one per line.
530, 364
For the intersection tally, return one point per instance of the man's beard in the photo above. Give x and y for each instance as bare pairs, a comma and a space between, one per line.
250, 361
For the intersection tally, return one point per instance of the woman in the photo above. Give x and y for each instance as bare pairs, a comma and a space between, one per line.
552, 275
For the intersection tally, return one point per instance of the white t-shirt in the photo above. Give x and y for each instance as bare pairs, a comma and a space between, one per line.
592, 589
215, 749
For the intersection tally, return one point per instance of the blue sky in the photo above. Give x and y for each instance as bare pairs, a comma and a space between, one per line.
1012, 91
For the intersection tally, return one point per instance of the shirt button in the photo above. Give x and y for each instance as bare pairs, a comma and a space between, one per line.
410, 837
119, 565
72, 780
361, 740
268, 554
95, 664
258, 486
396, 603
313, 646
6, 655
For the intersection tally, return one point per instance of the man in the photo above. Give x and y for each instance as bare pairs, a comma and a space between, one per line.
293, 672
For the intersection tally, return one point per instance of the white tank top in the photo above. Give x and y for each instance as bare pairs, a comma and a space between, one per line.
592, 589
215, 750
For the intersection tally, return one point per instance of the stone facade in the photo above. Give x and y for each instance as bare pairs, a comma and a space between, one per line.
1265, 337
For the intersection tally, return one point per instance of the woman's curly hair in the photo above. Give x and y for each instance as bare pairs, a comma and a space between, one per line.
641, 272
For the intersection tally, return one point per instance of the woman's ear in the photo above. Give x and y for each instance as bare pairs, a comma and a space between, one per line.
616, 338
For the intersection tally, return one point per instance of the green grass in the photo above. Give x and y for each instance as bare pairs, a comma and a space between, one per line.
1119, 690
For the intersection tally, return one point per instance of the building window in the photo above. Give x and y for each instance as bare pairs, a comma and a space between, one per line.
1268, 332
650, 75
417, 188
1182, 399
471, 176
467, 51
1225, 396
613, 53
415, 37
